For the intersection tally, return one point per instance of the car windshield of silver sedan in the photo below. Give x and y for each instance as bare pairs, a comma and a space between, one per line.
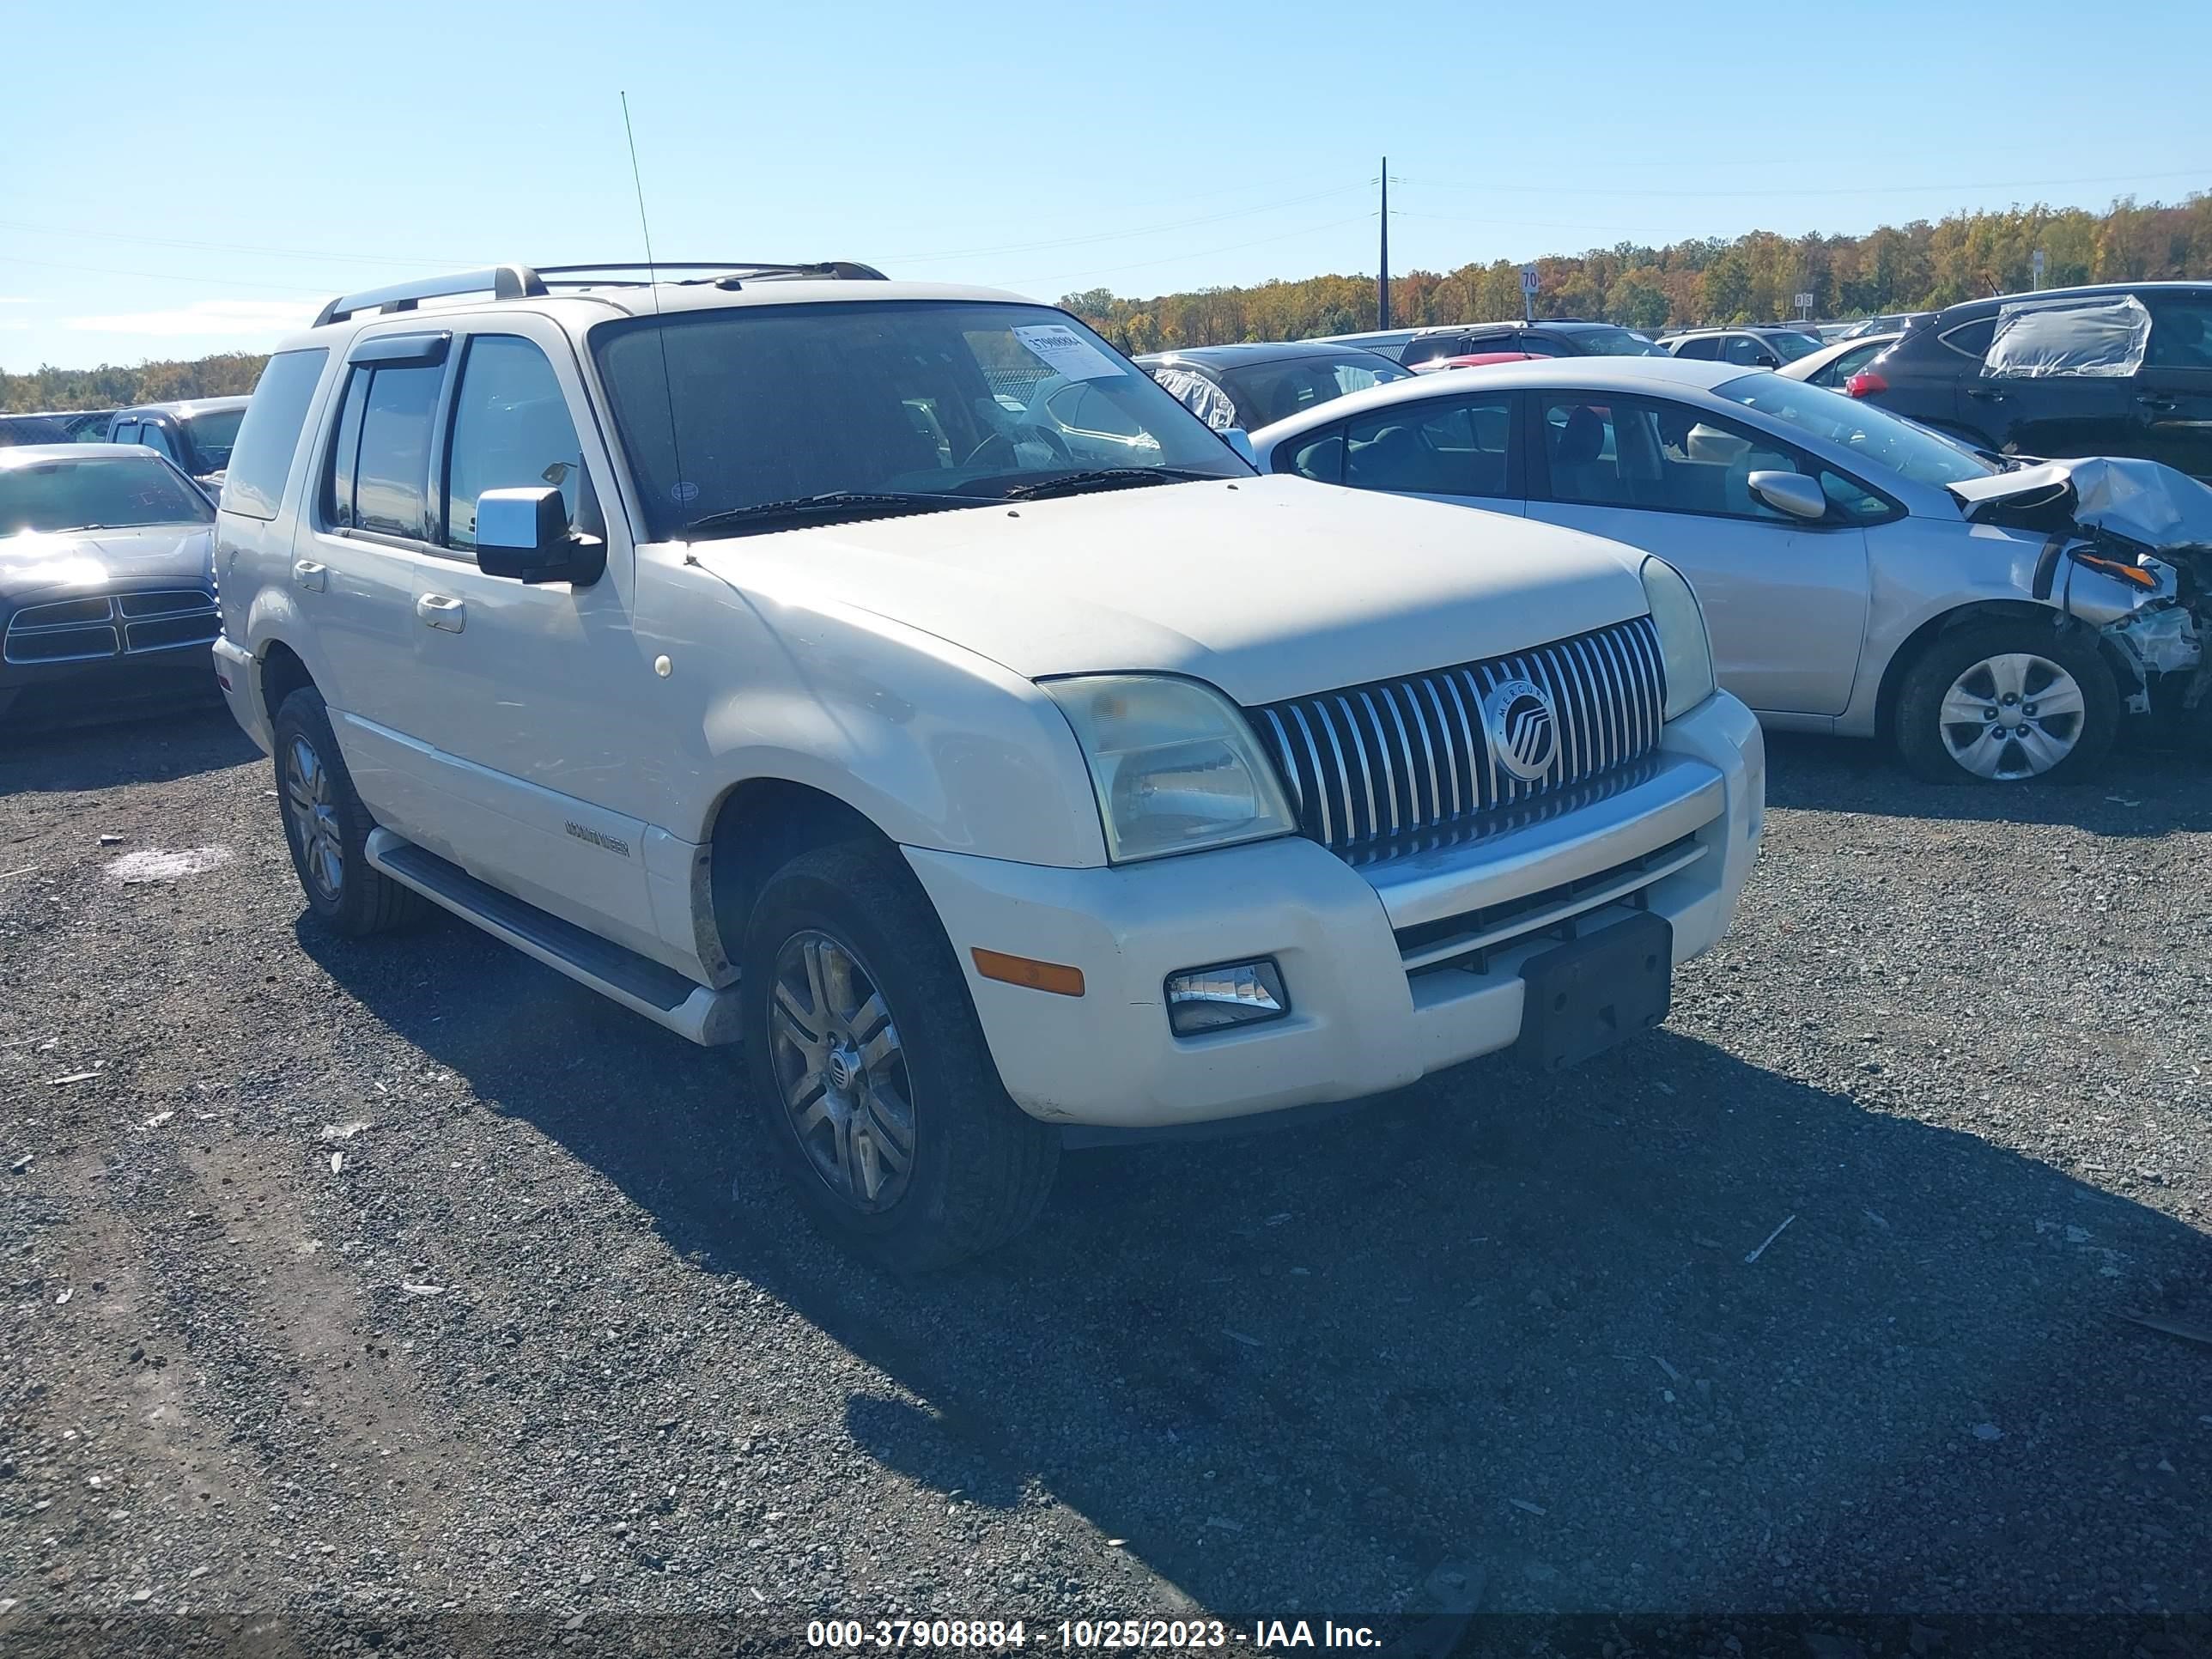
770, 417
1912, 451
106, 492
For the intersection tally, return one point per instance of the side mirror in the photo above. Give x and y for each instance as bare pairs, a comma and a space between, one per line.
1240, 440
1792, 492
1768, 359
525, 534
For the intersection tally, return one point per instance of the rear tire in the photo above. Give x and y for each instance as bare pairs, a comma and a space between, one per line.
875, 1085
327, 827
2006, 702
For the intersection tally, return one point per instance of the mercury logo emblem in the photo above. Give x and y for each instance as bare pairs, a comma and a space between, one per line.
1523, 728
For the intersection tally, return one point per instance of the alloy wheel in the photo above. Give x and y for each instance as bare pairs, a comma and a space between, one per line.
2012, 716
315, 818
841, 1072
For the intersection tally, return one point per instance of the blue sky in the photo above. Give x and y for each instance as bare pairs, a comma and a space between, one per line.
188, 178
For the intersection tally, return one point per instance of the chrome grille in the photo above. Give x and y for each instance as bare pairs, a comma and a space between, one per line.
1400, 765
80, 630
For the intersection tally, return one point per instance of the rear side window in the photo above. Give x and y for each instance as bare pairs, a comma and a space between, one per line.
379, 474
1428, 350
262, 457
1706, 347
1439, 447
157, 441
1971, 340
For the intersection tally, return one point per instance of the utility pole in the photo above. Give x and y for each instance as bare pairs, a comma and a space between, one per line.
1382, 264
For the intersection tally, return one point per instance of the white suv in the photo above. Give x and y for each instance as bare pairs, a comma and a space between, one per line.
780, 653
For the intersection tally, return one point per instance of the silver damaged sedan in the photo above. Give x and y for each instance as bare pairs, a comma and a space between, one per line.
1990, 618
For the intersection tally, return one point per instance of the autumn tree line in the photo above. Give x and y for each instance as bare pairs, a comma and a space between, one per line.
110, 387
1753, 279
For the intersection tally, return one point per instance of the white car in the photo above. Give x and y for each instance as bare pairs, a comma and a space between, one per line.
1860, 574
745, 648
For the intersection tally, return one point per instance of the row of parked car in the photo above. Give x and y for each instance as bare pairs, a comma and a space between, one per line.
196, 435
1009, 747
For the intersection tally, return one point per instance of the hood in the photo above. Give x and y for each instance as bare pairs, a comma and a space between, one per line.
2142, 502
37, 566
1269, 588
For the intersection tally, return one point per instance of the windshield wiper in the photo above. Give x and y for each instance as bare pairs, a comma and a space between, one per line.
1105, 477
837, 503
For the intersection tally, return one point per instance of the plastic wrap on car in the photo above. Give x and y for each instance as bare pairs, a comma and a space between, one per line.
1199, 395
2105, 341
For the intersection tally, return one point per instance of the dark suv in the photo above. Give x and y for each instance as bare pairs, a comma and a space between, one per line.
196, 435
1553, 336
2123, 368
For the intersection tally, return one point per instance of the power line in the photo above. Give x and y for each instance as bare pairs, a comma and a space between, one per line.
1195, 253
1123, 235
1847, 190
240, 247
165, 277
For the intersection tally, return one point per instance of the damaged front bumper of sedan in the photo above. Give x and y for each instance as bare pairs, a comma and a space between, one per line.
2129, 552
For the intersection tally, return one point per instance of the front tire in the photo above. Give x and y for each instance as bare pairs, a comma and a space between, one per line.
327, 827
875, 1087
2005, 702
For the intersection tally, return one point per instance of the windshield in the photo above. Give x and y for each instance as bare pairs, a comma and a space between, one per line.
1266, 392
108, 491
1616, 342
1912, 451
959, 399
212, 433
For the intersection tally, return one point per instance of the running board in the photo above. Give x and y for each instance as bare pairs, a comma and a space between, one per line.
691, 1010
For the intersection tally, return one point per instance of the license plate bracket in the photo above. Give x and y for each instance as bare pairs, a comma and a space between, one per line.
1584, 997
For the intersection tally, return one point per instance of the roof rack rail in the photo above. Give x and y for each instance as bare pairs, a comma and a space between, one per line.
536, 282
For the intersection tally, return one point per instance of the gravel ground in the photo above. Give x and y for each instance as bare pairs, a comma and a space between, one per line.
375, 1280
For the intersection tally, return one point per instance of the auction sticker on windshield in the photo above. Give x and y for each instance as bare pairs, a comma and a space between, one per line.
1066, 352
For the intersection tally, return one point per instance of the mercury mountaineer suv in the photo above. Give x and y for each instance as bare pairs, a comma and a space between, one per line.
895, 679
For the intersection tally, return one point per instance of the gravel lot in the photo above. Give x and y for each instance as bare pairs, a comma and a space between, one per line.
366, 1281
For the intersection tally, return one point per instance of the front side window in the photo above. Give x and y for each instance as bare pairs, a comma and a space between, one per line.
783, 404
1849, 363
210, 435
1789, 344
511, 431
1318, 455
380, 464
2180, 334
269, 432
96, 492
1434, 447
1662, 457
1907, 449
1745, 348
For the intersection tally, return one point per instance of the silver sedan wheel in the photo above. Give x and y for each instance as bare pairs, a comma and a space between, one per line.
314, 819
2012, 716
841, 1072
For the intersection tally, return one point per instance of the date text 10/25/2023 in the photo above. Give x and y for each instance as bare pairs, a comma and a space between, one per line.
1086, 1635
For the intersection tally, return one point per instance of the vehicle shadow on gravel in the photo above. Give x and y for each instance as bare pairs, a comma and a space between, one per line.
2141, 791
155, 751
1539, 1333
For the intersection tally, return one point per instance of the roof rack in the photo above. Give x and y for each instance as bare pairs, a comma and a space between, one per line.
536, 282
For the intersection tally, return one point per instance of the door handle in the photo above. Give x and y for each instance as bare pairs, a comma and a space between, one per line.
315, 578
437, 610
1985, 394
2152, 400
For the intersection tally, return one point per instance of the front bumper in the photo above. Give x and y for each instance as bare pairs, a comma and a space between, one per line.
53, 696
1385, 985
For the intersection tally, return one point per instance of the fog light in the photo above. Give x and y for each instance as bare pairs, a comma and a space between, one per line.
1235, 994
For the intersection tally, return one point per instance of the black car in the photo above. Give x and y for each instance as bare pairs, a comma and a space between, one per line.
1551, 336
2123, 368
107, 601
196, 435
1755, 345
1249, 386
18, 429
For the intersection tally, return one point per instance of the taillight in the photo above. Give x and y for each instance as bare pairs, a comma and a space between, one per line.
1864, 384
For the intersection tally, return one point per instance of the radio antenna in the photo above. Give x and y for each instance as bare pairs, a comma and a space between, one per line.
680, 484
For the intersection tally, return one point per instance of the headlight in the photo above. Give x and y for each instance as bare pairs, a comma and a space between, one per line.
1683, 646
1173, 764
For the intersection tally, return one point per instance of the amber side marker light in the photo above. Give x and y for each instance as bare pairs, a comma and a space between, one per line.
1055, 977
2126, 573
